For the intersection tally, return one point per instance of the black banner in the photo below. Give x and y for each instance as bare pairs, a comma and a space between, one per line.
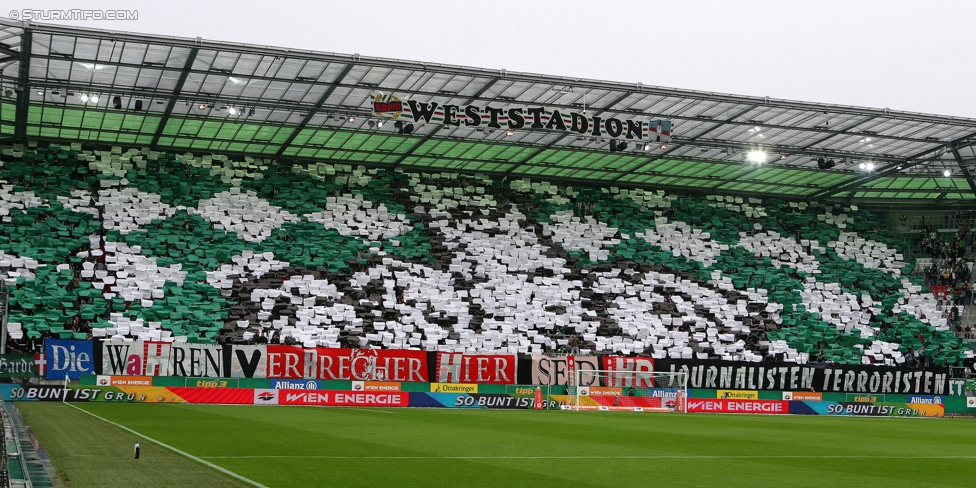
734, 375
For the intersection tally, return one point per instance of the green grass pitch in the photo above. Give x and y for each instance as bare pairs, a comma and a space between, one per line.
310, 446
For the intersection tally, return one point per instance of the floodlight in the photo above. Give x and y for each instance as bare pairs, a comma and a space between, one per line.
84, 98
232, 110
947, 173
756, 156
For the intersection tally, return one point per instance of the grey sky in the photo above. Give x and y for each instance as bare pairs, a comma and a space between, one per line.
905, 55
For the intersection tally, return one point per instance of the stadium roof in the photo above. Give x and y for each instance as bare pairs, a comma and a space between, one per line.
298, 105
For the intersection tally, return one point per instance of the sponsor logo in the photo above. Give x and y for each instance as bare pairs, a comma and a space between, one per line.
803, 396
738, 406
524, 391
295, 384
603, 390
375, 386
381, 386
662, 393
131, 381
453, 388
855, 398
106, 380
737, 394
970, 402
339, 398
885, 409
926, 399
265, 397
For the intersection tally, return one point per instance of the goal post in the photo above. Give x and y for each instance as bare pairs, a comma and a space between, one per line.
616, 390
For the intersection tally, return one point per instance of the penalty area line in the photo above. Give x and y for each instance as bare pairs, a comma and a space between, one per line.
593, 457
171, 448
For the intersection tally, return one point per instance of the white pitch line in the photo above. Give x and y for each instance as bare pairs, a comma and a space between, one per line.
591, 457
371, 410
171, 448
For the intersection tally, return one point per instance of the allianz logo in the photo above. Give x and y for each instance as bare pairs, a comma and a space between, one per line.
294, 385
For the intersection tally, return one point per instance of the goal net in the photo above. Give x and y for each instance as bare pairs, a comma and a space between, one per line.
628, 390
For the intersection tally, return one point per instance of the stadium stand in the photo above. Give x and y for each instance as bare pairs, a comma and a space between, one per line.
182, 247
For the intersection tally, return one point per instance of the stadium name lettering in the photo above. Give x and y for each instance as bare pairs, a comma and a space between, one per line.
525, 117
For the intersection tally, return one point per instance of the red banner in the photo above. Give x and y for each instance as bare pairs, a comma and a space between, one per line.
225, 396
367, 364
342, 398
286, 362
469, 368
629, 371
701, 405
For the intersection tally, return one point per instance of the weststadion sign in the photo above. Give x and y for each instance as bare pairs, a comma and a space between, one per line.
515, 118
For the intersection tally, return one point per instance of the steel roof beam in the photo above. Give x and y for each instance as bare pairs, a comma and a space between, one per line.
481, 72
552, 144
433, 131
311, 113
885, 171
965, 170
358, 111
831, 132
23, 96
6, 49
190, 58
710, 129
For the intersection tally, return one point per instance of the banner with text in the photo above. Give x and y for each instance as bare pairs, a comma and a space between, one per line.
868, 409
470, 368
794, 377
546, 370
146, 358
67, 358
17, 366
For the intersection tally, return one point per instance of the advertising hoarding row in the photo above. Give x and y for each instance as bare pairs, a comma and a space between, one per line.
299, 368
333, 398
